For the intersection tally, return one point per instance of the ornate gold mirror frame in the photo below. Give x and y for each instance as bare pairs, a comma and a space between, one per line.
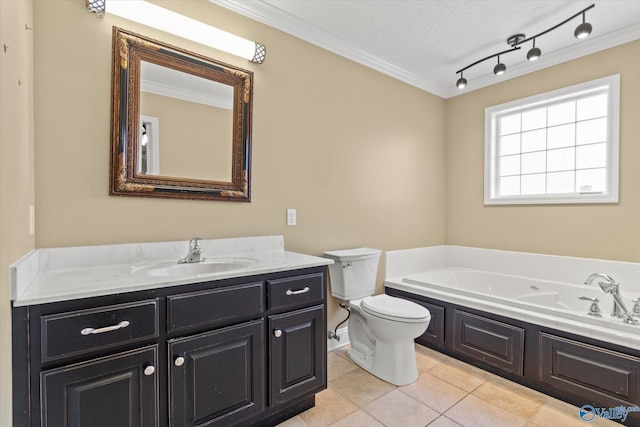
127, 178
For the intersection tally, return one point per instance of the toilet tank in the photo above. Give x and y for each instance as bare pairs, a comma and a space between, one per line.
353, 273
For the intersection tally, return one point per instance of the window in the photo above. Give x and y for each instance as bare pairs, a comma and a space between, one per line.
556, 147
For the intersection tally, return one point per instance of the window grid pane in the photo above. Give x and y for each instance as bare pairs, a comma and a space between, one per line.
560, 148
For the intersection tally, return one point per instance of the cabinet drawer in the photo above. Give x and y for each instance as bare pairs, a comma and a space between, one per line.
75, 332
489, 341
589, 372
214, 306
292, 291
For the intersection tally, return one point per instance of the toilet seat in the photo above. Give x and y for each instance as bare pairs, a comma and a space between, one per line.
392, 308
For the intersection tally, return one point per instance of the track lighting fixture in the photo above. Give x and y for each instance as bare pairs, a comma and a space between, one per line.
500, 68
583, 30
534, 53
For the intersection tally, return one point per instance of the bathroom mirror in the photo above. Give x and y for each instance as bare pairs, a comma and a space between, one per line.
181, 123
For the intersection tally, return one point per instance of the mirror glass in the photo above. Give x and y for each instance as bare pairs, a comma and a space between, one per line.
181, 123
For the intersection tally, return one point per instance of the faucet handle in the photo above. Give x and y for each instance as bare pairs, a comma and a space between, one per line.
195, 242
594, 309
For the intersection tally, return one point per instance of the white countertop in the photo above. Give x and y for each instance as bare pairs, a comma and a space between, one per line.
60, 274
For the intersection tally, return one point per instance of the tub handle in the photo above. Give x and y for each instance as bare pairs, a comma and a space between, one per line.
594, 309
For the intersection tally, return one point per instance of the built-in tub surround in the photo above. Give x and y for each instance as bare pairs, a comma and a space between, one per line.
539, 289
59, 274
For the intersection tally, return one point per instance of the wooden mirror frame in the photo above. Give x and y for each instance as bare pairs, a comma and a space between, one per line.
129, 50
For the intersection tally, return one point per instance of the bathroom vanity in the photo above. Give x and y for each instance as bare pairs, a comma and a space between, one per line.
238, 347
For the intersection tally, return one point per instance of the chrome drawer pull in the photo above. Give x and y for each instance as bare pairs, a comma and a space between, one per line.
92, 331
298, 292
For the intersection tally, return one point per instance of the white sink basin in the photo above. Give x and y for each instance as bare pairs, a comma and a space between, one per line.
206, 267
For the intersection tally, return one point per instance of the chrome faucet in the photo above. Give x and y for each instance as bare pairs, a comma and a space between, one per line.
195, 252
611, 287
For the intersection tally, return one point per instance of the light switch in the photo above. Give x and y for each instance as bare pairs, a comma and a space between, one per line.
291, 217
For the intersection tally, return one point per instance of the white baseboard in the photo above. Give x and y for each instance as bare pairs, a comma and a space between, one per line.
333, 344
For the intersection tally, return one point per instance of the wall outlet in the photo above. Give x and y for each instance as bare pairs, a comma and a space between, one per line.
291, 217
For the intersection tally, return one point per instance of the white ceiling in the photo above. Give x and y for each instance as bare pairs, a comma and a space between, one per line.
424, 42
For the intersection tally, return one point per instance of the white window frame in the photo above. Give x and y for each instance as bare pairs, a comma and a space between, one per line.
491, 197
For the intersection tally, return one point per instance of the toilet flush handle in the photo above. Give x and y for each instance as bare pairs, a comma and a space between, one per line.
348, 265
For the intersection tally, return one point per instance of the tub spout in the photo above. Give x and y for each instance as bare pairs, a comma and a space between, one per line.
606, 277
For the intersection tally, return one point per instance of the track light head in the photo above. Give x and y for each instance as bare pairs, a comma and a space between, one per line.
461, 83
534, 53
500, 68
583, 30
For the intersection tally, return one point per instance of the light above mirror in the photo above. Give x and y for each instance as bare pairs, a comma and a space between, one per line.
154, 16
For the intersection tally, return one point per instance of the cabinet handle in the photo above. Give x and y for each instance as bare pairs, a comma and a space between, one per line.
277, 333
179, 361
298, 292
92, 331
149, 370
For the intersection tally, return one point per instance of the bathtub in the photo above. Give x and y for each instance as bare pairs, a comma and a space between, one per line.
546, 303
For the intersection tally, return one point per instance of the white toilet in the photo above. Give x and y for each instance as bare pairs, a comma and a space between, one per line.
381, 328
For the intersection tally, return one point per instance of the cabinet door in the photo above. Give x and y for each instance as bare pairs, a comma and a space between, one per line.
114, 391
298, 353
217, 378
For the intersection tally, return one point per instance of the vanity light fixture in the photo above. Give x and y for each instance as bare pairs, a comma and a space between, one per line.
582, 31
163, 19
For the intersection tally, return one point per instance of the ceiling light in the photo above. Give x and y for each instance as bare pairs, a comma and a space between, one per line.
165, 20
583, 30
500, 68
534, 53
462, 82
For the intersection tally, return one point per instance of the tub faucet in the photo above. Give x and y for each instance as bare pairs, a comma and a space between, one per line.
611, 287
195, 252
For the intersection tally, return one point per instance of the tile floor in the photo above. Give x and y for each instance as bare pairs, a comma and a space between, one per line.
448, 393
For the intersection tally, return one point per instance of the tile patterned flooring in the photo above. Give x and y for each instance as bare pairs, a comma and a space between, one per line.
448, 393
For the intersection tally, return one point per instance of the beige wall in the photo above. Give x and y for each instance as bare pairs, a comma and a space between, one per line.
358, 154
16, 167
195, 139
608, 231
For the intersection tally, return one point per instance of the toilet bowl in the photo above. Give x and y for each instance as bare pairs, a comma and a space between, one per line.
381, 328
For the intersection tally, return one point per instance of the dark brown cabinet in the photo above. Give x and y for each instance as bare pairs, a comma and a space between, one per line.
239, 351
297, 343
596, 373
217, 378
114, 391
490, 341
